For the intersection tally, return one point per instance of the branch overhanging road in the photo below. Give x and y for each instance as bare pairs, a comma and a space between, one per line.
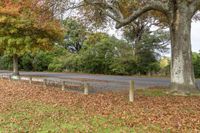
103, 82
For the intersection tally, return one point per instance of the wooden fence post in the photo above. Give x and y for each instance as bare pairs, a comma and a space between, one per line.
19, 78
131, 91
30, 80
86, 87
63, 85
45, 83
10, 77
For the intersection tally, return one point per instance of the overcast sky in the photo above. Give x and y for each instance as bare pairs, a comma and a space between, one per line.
195, 36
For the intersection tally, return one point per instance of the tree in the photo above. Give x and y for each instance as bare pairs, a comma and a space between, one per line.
26, 26
178, 15
164, 63
141, 30
147, 44
100, 53
196, 64
146, 55
75, 34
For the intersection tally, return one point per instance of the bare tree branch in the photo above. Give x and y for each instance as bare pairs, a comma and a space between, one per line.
114, 13
107, 8
154, 5
194, 7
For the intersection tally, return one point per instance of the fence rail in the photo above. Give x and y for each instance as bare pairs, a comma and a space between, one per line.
50, 81
84, 86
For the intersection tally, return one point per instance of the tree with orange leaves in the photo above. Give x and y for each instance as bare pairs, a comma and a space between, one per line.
27, 25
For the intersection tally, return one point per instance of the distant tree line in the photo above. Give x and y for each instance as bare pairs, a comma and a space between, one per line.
91, 59
83, 50
95, 52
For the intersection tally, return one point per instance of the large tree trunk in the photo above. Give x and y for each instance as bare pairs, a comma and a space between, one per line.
182, 73
15, 65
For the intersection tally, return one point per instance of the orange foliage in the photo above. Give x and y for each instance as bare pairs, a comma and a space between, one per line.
32, 19
8, 7
128, 7
36, 10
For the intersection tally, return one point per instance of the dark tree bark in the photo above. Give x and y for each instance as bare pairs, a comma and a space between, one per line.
15, 65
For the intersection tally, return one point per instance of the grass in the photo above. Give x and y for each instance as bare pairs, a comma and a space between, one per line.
29, 108
152, 92
27, 116
32, 116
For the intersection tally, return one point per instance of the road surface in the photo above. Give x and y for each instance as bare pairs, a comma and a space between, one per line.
104, 82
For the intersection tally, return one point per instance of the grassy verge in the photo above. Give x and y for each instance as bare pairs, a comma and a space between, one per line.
27, 116
29, 108
33, 116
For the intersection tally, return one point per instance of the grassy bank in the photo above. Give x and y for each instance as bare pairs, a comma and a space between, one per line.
30, 108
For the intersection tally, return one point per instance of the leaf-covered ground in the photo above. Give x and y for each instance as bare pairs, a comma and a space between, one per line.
31, 108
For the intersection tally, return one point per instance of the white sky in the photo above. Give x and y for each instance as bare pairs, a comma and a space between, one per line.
195, 33
195, 36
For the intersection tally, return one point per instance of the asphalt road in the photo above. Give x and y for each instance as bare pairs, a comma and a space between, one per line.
104, 82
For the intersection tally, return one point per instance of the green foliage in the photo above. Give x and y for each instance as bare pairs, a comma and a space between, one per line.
30, 61
93, 53
196, 64
26, 62
100, 53
6, 62
147, 45
124, 66
42, 60
75, 33
58, 64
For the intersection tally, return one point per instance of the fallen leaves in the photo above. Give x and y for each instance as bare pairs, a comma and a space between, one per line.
174, 113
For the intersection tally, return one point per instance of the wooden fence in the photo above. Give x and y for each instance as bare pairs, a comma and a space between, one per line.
50, 82
63, 83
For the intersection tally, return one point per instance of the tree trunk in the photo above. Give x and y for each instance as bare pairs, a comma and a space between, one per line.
15, 65
182, 73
